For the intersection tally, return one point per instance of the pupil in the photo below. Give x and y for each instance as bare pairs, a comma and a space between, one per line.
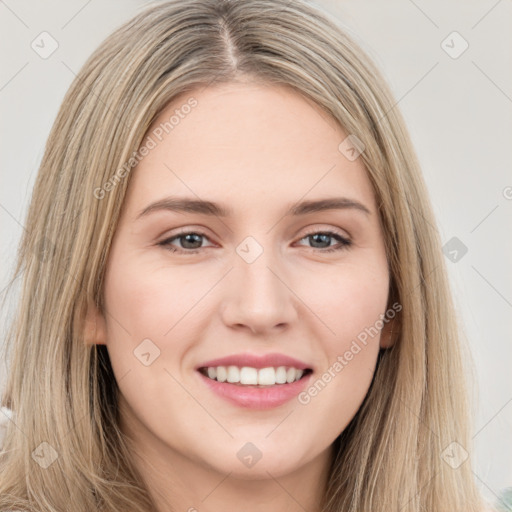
323, 236
189, 239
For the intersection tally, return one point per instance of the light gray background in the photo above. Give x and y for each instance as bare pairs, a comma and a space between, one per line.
458, 110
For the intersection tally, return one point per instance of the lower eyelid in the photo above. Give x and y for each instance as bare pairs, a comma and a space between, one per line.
342, 242
166, 243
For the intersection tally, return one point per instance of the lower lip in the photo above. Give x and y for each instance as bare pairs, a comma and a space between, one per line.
255, 397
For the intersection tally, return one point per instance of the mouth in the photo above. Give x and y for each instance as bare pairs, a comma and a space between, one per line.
250, 377
255, 388
255, 381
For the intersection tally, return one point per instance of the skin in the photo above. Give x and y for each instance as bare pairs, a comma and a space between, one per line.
257, 149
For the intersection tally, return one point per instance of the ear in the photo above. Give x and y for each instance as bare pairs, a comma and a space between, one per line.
388, 334
95, 329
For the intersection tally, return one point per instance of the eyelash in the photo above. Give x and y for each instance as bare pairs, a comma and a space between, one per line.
345, 242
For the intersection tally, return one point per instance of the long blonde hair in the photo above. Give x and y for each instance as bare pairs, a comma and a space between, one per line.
62, 391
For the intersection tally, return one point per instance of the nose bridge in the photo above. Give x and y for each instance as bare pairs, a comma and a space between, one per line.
258, 297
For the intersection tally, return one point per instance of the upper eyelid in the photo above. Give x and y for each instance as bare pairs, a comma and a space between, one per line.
203, 231
343, 233
200, 232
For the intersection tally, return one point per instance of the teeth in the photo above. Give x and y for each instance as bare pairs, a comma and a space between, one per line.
266, 377
248, 376
254, 376
222, 374
281, 375
233, 374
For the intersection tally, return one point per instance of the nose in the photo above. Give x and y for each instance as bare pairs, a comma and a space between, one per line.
258, 297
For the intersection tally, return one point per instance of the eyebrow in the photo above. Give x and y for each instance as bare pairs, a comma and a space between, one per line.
189, 205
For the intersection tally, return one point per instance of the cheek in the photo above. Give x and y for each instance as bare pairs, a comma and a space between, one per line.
351, 306
362, 303
149, 302
157, 311
152, 314
349, 300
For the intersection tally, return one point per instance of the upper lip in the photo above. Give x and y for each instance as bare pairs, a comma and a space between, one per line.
256, 361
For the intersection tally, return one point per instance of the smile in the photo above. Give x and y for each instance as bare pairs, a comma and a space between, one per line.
249, 376
255, 396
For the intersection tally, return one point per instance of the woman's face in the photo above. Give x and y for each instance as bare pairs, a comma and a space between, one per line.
223, 251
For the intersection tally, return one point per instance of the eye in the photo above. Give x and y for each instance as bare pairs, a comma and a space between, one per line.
190, 242
325, 237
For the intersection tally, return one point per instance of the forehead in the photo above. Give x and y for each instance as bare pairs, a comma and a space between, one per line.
247, 144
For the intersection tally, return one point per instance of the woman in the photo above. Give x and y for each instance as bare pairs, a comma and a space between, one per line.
302, 353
